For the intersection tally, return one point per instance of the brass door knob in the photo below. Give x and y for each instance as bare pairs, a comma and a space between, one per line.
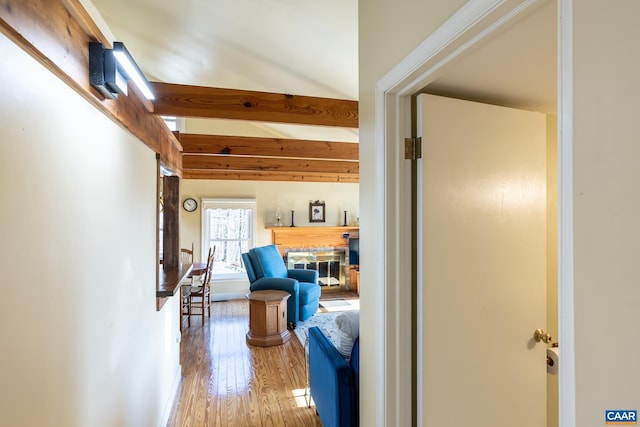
540, 335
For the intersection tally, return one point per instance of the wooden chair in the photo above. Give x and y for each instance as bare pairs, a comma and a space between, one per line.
200, 296
186, 255
185, 293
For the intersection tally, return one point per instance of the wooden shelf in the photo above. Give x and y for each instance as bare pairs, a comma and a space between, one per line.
169, 282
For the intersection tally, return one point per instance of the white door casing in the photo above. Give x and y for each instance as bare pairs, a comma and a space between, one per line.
481, 264
465, 30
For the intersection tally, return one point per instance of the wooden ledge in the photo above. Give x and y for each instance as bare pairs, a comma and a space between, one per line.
169, 282
312, 236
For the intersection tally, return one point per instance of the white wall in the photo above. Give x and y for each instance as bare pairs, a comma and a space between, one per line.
269, 196
82, 343
606, 207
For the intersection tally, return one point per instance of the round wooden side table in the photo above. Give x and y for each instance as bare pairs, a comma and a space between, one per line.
268, 318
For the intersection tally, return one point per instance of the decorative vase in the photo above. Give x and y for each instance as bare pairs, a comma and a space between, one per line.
278, 222
292, 223
345, 219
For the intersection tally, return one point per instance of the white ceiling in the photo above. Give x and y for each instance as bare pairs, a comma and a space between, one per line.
310, 48
517, 67
301, 47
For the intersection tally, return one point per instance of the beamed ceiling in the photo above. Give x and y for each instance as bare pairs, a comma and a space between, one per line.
266, 90
258, 158
288, 70
292, 93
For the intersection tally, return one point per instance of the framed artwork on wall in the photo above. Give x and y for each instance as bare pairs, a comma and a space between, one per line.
316, 211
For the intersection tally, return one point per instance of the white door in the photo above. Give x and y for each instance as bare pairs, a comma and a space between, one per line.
481, 268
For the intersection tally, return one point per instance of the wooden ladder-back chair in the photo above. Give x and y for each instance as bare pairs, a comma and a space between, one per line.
186, 255
200, 297
185, 293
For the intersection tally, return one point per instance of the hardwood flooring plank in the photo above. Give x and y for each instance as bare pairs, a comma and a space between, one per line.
229, 383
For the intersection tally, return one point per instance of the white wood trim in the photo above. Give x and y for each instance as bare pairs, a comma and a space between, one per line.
227, 296
228, 203
471, 24
166, 413
393, 202
385, 391
566, 325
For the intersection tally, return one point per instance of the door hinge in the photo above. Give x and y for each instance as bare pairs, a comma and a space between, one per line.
413, 148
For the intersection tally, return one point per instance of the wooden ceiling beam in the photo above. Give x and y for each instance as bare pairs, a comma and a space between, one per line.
268, 159
57, 35
270, 176
267, 147
231, 163
208, 102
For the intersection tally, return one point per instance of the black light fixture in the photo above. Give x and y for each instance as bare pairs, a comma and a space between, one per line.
103, 72
109, 70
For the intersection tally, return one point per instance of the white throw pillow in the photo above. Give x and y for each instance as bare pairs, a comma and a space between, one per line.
349, 326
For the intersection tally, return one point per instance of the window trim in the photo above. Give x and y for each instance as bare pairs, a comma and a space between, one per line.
212, 203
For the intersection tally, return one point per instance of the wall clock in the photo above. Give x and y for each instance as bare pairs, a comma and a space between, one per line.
190, 204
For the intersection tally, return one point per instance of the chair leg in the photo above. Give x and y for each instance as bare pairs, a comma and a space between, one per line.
201, 304
185, 306
188, 313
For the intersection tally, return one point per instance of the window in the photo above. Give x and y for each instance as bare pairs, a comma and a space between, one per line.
229, 225
174, 123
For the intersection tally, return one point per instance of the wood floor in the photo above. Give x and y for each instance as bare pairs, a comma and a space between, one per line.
229, 383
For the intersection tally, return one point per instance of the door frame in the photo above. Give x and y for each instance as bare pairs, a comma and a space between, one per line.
475, 21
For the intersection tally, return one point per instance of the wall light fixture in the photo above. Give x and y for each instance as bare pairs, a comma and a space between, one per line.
109, 70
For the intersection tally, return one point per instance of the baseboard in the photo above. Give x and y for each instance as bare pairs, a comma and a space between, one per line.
229, 296
164, 420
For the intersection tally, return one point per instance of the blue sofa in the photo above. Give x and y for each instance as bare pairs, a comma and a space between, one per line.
266, 270
334, 382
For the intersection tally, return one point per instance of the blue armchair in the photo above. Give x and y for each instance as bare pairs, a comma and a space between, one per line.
266, 270
334, 381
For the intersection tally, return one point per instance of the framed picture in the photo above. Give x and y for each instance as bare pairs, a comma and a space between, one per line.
316, 211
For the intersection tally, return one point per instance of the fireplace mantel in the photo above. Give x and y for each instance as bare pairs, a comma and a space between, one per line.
312, 237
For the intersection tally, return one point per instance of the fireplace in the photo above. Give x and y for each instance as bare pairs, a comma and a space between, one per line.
324, 249
330, 263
